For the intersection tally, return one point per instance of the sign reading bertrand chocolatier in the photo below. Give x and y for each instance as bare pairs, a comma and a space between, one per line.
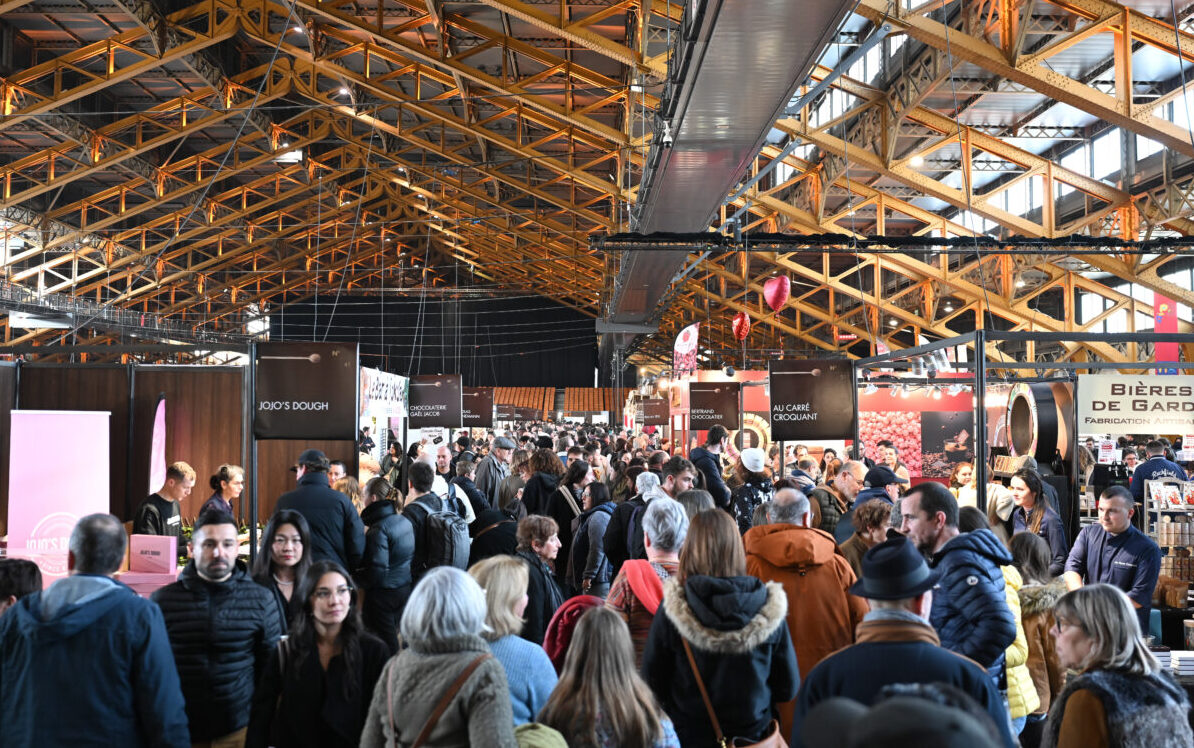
712, 403
478, 406
812, 399
435, 400
1146, 404
306, 391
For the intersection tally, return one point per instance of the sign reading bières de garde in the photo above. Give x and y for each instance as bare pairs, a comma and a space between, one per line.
435, 400
713, 403
1147, 404
306, 391
811, 399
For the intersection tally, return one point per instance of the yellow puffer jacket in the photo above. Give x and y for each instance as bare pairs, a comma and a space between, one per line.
1022, 697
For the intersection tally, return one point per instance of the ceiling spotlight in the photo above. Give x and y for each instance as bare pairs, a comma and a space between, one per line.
936, 393
1020, 283
870, 389
637, 87
948, 307
894, 323
343, 91
298, 29
916, 161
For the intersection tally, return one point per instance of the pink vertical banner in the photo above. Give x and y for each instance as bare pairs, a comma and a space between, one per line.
157, 454
44, 503
1165, 320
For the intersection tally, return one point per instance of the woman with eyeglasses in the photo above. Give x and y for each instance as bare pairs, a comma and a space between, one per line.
316, 687
385, 568
1118, 696
283, 560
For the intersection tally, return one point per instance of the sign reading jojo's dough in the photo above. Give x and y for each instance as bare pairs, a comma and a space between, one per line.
713, 403
306, 391
477, 403
812, 399
435, 400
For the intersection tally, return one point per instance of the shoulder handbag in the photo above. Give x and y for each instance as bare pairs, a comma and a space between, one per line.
773, 738
440, 708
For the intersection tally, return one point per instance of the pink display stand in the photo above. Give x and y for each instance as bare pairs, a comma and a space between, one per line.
144, 583
46, 500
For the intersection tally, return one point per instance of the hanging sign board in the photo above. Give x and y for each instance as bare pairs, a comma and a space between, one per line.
712, 403
435, 400
812, 399
655, 411
306, 391
506, 412
477, 406
528, 414
1116, 404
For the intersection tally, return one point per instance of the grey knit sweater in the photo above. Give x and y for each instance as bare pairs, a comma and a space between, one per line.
418, 677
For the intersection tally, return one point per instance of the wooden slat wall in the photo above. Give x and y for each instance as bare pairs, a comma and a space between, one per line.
204, 407
48, 387
274, 458
8, 394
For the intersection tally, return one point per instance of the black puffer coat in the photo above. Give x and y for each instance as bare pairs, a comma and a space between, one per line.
222, 635
389, 548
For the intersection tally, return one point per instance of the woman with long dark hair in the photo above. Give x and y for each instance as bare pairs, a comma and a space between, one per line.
588, 569
600, 701
316, 688
283, 560
1033, 514
546, 471
564, 506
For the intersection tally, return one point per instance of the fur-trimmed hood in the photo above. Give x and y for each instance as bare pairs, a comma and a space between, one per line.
1039, 598
725, 615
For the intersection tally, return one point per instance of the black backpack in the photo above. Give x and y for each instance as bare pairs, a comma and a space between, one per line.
445, 535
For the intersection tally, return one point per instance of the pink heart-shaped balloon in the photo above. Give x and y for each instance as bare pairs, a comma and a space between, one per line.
741, 325
776, 291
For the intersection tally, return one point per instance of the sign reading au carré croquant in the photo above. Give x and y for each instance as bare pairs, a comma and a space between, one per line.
812, 399
712, 403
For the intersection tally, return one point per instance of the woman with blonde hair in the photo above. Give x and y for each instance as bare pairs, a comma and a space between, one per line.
722, 633
1119, 697
529, 673
601, 702
351, 488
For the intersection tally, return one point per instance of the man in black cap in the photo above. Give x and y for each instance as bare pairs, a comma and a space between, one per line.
895, 643
336, 530
880, 482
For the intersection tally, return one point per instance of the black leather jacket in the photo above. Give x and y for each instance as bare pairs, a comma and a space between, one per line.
389, 548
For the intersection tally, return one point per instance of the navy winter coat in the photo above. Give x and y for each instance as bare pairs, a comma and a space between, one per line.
970, 611
710, 466
99, 670
336, 530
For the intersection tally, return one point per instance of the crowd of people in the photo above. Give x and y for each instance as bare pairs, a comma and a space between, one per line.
576, 586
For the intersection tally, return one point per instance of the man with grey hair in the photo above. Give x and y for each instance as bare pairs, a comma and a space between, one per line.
822, 613
88, 659
638, 589
495, 468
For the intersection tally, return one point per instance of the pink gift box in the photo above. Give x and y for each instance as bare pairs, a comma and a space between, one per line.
144, 583
153, 554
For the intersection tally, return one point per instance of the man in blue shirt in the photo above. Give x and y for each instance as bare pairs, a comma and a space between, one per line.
1116, 553
1154, 468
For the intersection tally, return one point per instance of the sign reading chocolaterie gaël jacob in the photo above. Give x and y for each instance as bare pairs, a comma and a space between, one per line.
811, 399
306, 391
1146, 404
435, 400
713, 403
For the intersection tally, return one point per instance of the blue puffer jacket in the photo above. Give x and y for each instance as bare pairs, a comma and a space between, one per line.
970, 610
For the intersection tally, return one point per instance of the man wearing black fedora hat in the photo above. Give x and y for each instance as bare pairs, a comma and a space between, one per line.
895, 643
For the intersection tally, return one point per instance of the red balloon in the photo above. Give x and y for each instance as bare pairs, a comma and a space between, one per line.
741, 325
776, 291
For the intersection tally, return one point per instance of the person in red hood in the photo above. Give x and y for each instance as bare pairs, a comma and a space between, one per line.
822, 614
